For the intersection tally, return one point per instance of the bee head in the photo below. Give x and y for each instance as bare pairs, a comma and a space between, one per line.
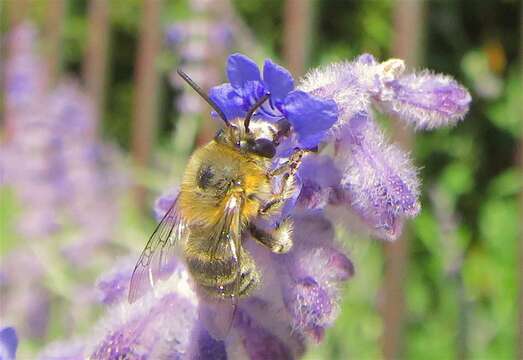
260, 138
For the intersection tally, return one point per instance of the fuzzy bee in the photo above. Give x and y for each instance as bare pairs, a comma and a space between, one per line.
227, 184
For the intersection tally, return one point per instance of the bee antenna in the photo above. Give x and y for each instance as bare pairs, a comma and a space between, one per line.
200, 92
255, 107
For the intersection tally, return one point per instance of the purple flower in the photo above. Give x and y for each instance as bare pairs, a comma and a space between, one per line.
425, 100
205, 346
379, 181
160, 325
159, 333
25, 75
8, 343
298, 299
311, 117
113, 285
315, 268
316, 191
163, 203
157, 326
257, 343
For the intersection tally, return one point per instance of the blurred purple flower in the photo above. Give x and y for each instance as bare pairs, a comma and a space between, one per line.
25, 77
52, 157
64, 350
25, 301
91, 178
175, 34
197, 43
8, 343
164, 202
61, 175
223, 34
30, 153
310, 116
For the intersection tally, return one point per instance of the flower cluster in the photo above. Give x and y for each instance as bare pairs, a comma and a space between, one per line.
298, 297
378, 181
30, 162
52, 160
90, 177
30, 157
336, 104
197, 42
52, 156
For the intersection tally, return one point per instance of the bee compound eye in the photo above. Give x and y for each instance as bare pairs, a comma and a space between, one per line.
220, 135
265, 148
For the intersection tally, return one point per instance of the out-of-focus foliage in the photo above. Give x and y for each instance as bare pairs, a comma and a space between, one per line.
461, 288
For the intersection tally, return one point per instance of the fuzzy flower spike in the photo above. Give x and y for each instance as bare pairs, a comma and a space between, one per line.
378, 180
297, 299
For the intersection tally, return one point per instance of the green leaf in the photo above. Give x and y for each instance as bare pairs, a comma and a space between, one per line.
509, 182
457, 179
498, 224
507, 113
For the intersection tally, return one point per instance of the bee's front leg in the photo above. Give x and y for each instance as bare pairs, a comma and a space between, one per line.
278, 240
288, 169
290, 166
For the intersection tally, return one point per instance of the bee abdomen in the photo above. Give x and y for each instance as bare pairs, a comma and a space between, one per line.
216, 271
249, 280
207, 271
218, 277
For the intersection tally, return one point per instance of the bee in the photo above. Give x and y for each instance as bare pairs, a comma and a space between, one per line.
227, 184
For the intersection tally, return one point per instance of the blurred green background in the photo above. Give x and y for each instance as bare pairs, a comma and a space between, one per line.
460, 268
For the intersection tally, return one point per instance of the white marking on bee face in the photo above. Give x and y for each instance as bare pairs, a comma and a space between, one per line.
263, 129
231, 204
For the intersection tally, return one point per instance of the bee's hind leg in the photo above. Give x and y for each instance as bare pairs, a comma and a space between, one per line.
278, 240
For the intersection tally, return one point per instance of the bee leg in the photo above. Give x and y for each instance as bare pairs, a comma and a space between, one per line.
288, 170
274, 204
291, 165
278, 240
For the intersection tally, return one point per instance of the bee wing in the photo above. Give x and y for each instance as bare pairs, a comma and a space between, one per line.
218, 314
157, 259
